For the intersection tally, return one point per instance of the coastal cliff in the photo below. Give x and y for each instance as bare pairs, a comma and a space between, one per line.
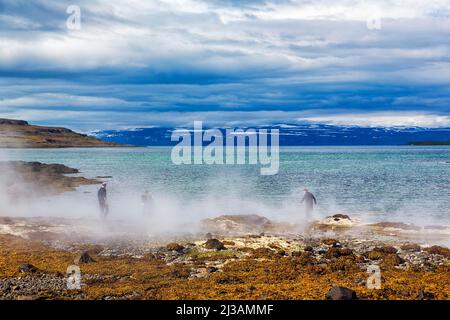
21, 134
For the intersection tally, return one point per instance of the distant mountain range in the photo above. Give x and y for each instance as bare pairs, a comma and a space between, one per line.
298, 135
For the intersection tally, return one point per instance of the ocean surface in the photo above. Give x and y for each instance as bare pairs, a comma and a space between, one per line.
409, 184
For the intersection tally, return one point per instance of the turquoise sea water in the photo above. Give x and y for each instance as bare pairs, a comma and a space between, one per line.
376, 183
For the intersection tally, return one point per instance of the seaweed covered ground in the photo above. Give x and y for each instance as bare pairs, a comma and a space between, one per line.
215, 266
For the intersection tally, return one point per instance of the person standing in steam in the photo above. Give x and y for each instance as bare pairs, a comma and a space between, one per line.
101, 194
147, 202
310, 201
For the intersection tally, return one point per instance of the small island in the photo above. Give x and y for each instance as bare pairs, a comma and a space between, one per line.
429, 143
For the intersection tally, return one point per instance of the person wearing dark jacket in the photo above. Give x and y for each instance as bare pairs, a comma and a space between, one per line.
310, 201
101, 194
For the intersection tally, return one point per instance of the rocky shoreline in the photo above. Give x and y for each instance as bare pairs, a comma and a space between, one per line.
237, 262
31, 179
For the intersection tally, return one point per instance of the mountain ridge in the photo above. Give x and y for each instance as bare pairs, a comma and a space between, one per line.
295, 135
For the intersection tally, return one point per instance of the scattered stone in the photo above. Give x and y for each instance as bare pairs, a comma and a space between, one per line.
84, 257
423, 295
27, 268
173, 246
341, 293
214, 244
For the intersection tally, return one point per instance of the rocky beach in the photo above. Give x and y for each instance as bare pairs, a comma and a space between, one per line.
228, 257
241, 256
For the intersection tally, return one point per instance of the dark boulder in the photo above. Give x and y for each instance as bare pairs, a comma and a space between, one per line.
214, 244
174, 247
211, 269
27, 268
341, 293
84, 257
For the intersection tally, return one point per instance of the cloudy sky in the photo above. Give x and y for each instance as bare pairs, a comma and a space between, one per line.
142, 63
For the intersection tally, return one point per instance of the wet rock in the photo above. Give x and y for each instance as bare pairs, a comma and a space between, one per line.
84, 257
438, 250
174, 247
423, 295
341, 293
411, 247
27, 268
214, 244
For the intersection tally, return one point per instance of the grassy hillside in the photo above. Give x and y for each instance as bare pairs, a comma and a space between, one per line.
20, 134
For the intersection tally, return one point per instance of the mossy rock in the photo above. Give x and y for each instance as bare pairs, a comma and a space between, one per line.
374, 255
391, 260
